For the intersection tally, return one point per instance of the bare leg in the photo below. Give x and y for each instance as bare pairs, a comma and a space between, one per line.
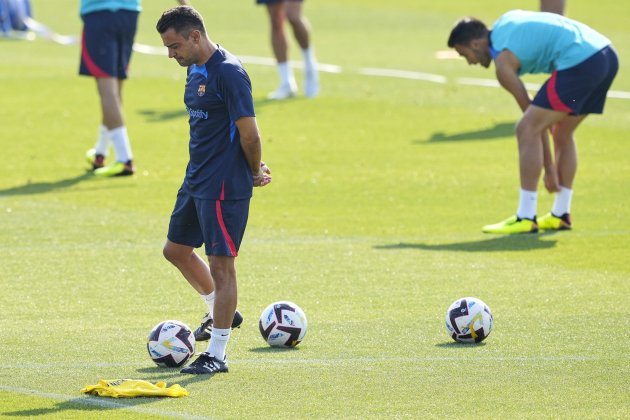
192, 266
530, 147
110, 93
279, 43
224, 274
552, 6
300, 25
566, 149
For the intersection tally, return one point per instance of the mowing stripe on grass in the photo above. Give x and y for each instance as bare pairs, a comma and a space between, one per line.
330, 362
47, 33
97, 402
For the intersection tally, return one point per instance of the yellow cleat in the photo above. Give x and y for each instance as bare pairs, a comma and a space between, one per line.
115, 169
551, 222
512, 225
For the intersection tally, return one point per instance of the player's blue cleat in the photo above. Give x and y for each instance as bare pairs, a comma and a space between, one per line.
551, 222
512, 225
202, 333
206, 364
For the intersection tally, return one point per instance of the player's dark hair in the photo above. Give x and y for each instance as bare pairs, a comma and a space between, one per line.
182, 19
466, 30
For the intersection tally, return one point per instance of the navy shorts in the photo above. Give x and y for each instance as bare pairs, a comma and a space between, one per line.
581, 89
107, 42
219, 224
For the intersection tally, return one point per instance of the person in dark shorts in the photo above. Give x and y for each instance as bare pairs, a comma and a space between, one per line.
109, 29
291, 11
225, 164
582, 64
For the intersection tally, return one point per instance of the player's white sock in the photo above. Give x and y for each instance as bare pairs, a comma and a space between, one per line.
120, 139
209, 299
562, 202
285, 71
218, 342
527, 204
308, 54
102, 141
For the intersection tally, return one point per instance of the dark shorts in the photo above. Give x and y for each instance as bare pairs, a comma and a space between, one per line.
107, 42
219, 224
273, 1
581, 89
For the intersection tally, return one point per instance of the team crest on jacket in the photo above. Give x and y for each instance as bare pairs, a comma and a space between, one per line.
202, 90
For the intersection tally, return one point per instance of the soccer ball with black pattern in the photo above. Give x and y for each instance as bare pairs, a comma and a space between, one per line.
469, 320
171, 343
283, 324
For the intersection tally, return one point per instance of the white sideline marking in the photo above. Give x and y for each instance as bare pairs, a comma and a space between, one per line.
85, 400
47, 33
403, 74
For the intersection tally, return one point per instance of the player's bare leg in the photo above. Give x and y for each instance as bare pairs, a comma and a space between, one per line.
194, 269
553, 6
302, 33
110, 93
280, 45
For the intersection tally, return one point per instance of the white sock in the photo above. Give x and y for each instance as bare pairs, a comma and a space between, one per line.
102, 141
562, 202
209, 299
310, 62
287, 78
120, 139
218, 342
527, 204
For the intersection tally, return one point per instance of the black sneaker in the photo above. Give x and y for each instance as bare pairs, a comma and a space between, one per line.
202, 333
206, 365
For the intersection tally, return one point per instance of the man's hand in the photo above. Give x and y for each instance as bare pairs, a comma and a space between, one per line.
551, 180
263, 177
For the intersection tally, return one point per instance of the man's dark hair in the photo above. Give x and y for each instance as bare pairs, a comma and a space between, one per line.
182, 19
466, 30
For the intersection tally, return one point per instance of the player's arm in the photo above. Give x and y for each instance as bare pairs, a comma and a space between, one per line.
251, 145
507, 66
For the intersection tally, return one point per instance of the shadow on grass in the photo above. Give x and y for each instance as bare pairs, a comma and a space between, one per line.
498, 131
524, 242
34, 188
151, 115
453, 345
269, 349
100, 404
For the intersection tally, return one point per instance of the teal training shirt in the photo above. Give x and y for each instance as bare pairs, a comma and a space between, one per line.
544, 42
89, 6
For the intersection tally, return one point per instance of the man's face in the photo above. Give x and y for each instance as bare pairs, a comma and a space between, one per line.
477, 52
184, 50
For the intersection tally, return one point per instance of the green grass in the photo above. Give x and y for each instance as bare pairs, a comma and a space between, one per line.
371, 225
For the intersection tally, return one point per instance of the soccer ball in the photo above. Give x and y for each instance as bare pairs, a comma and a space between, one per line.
283, 324
469, 320
171, 343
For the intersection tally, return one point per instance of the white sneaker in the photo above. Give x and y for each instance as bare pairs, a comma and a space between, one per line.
311, 82
283, 92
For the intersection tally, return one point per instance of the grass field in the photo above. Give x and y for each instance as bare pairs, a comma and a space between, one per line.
372, 225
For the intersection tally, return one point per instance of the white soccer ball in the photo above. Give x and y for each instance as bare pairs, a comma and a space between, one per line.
283, 324
171, 343
469, 320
